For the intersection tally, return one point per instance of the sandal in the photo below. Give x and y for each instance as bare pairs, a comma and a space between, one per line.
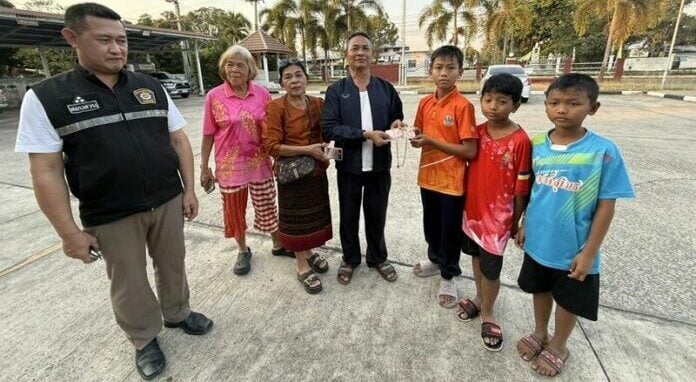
387, 271
282, 252
532, 345
491, 331
553, 360
426, 268
447, 288
345, 274
467, 310
307, 279
318, 263
243, 264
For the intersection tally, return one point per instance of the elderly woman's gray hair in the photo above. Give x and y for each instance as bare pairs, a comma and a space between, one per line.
238, 52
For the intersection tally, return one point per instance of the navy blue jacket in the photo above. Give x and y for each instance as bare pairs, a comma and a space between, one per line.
341, 121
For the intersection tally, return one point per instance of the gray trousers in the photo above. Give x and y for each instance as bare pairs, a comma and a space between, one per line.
123, 244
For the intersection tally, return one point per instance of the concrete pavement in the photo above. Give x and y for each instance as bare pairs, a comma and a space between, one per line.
58, 323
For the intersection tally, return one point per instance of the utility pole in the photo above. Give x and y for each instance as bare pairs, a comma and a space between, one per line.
182, 43
404, 67
671, 47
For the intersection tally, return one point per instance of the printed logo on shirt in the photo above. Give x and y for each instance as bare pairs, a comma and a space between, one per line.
551, 179
448, 120
81, 105
145, 96
345, 95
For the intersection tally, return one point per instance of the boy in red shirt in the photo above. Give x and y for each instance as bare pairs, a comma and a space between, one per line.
446, 133
497, 189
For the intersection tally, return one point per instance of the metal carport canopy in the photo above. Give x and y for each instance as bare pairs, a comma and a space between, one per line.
20, 28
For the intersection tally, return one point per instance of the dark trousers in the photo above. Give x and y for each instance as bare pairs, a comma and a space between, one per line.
442, 225
371, 189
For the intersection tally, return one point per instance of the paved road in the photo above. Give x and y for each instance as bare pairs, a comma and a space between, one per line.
57, 323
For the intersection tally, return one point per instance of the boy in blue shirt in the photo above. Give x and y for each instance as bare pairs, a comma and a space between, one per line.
578, 175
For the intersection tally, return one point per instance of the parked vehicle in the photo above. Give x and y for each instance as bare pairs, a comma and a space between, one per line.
3, 100
173, 85
515, 70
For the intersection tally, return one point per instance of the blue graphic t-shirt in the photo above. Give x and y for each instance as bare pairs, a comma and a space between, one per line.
568, 182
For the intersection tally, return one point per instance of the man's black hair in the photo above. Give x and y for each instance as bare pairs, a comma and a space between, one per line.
76, 15
356, 34
576, 81
448, 51
504, 83
284, 64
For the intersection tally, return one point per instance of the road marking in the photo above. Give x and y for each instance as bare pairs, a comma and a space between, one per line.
37, 256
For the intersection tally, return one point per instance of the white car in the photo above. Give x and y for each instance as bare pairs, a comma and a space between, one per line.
515, 70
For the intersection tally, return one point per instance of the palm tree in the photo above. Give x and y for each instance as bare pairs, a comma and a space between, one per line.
504, 18
442, 14
280, 23
332, 32
625, 18
354, 10
307, 24
235, 27
256, 12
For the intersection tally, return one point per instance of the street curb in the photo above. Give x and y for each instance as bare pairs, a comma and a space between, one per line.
678, 97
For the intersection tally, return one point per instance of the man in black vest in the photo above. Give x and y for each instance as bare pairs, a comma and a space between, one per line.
118, 139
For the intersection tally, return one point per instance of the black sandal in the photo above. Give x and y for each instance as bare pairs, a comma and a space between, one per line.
282, 252
387, 271
345, 274
306, 279
318, 263
491, 331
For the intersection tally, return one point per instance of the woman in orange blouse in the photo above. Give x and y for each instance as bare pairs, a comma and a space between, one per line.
292, 127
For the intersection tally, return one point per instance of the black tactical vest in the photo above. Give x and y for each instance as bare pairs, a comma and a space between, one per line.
118, 156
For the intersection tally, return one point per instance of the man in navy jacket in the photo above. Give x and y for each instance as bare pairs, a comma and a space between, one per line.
357, 111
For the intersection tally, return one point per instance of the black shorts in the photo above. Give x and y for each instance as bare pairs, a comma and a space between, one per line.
490, 264
578, 297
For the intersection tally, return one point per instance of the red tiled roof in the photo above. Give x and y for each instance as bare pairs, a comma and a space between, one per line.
260, 42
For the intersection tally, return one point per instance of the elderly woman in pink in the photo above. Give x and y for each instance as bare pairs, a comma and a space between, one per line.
234, 112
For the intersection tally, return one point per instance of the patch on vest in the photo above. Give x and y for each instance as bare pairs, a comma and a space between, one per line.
145, 96
80, 105
448, 121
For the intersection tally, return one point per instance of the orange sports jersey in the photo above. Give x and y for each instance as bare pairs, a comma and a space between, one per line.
450, 119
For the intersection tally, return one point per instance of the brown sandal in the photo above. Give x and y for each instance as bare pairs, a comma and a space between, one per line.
345, 274
553, 360
532, 345
387, 271
467, 310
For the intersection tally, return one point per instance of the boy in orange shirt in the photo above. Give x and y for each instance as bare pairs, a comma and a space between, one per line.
446, 133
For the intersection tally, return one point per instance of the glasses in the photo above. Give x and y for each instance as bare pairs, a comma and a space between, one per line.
289, 61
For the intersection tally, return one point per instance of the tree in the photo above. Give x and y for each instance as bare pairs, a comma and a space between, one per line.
256, 12
6, 54
382, 32
354, 11
446, 14
280, 23
551, 29
658, 38
504, 19
624, 18
44, 6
